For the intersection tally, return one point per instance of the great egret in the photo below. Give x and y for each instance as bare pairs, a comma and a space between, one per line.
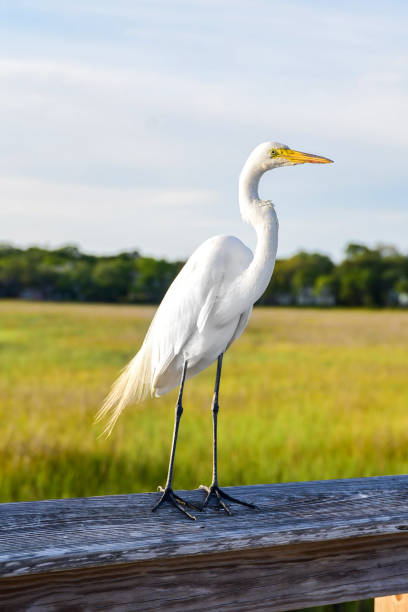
206, 308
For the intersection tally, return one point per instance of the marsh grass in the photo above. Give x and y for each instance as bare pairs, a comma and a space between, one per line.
305, 394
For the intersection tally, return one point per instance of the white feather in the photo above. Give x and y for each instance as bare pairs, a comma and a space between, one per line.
209, 303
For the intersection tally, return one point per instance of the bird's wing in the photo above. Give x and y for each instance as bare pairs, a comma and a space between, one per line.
184, 310
207, 307
191, 298
242, 323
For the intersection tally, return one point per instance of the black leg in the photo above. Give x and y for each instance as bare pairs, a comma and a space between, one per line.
213, 491
167, 492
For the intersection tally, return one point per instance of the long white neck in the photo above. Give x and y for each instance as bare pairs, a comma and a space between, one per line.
262, 216
252, 282
248, 191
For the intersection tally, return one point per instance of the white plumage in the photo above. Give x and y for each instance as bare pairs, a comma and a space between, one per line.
209, 303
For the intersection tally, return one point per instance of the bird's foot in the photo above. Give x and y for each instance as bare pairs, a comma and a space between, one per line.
219, 495
177, 501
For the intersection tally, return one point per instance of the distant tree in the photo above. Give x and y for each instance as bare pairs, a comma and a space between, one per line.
326, 283
68, 252
308, 268
152, 279
75, 281
295, 274
111, 280
11, 277
7, 250
402, 285
365, 277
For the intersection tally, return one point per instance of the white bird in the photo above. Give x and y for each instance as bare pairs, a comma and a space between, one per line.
206, 308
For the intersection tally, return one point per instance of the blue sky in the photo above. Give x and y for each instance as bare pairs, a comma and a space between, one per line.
124, 124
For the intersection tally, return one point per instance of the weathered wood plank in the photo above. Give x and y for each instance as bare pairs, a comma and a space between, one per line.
392, 603
309, 544
282, 578
269, 579
72, 533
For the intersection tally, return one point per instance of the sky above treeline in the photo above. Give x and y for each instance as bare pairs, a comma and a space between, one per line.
124, 125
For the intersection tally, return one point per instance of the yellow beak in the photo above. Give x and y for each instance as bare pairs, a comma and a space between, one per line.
297, 157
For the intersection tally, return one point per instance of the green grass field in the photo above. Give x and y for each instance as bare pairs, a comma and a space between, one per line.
305, 394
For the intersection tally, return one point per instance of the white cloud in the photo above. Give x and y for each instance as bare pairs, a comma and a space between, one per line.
102, 219
104, 102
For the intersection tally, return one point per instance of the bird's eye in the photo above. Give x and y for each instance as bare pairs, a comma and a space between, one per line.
273, 152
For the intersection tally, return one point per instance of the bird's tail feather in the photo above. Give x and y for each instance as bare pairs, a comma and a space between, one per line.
133, 384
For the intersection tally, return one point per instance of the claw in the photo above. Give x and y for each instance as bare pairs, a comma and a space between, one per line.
184, 502
169, 496
215, 491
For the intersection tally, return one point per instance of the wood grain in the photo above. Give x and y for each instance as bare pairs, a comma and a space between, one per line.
392, 603
309, 544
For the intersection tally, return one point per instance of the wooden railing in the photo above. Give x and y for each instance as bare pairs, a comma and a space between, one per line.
309, 544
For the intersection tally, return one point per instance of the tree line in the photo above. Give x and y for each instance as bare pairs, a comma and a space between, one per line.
365, 277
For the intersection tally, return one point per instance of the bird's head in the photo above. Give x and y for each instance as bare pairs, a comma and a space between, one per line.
270, 155
267, 156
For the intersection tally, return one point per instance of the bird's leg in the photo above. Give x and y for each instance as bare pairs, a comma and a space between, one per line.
167, 492
213, 491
